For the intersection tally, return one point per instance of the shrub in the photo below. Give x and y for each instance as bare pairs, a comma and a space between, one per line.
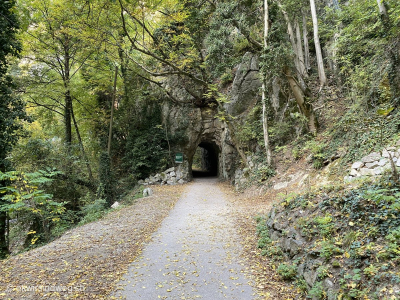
287, 271
93, 211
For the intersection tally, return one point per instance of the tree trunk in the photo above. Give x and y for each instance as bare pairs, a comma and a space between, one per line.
306, 47
265, 125
304, 106
276, 89
112, 112
3, 230
292, 41
68, 99
297, 62
300, 54
3, 215
382, 10
78, 135
67, 118
264, 96
320, 62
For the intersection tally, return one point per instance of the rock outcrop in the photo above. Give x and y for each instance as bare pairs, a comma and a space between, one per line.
203, 125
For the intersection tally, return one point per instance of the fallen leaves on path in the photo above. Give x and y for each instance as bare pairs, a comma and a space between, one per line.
86, 262
259, 268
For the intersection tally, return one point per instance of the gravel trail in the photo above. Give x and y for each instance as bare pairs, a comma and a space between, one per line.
195, 254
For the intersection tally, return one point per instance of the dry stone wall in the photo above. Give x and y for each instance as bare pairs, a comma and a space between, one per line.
375, 163
171, 176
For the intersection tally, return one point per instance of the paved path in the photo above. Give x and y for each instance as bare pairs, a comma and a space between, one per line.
193, 255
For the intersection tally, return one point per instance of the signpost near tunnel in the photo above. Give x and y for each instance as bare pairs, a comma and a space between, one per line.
179, 158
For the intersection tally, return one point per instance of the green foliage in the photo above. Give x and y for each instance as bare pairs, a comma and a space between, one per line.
225, 43
92, 211
146, 151
317, 150
26, 199
264, 172
371, 270
317, 291
364, 47
281, 133
325, 225
322, 272
369, 206
106, 188
297, 152
287, 271
226, 78
328, 249
249, 133
11, 107
269, 247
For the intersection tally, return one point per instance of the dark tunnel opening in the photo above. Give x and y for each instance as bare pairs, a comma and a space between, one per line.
205, 160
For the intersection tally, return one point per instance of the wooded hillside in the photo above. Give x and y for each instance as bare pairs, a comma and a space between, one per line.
99, 96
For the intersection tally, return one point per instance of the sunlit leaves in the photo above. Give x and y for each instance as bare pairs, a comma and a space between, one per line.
25, 195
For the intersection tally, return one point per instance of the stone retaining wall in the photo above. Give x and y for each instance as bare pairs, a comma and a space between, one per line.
375, 163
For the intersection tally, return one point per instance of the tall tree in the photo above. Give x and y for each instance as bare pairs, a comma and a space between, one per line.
264, 87
11, 108
320, 62
57, 46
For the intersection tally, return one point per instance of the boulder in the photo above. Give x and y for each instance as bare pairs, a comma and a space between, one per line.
147, 192
245, 87
354, 173
115, 205
310, 277
378, 171
387, 154
280, 185
371, 157
357, 165
169, 170
372, 165
383, 162
172, 181
366, 172
295, 246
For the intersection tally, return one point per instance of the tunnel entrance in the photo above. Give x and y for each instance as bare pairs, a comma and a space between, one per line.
205, 160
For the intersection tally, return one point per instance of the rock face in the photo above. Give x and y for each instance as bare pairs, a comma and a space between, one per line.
293, 244
245, 87
201, 126
375, 163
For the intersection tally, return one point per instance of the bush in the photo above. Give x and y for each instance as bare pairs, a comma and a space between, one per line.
317, 153
93, 211
287, 271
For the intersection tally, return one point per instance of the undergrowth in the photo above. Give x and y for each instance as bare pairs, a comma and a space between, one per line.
353, 234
